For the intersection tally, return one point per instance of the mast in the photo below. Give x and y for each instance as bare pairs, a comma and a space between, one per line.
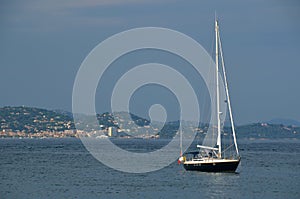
218, 97
227, 95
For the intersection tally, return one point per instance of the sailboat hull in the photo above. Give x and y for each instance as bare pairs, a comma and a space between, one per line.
212, 166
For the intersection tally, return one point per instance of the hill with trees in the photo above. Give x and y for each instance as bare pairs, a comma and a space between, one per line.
35, 120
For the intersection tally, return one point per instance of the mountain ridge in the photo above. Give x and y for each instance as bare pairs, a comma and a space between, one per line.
284, 121
35, 120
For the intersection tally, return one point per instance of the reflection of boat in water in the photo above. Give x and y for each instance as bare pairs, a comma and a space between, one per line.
213, 155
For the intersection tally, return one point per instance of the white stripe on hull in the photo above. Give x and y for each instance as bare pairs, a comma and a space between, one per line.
209, 161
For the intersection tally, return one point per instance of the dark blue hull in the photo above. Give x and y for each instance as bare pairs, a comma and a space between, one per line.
213, 167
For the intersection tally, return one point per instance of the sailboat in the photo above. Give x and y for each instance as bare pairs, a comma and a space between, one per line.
212, 156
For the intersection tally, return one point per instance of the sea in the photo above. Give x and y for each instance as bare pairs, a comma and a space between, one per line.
63, 168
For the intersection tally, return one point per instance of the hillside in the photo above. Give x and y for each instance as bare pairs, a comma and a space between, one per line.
31, 120
35, 120
265, 130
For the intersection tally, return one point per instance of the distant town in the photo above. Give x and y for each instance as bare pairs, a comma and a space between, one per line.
28, 122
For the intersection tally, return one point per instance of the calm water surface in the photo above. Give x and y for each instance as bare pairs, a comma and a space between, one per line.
63, 168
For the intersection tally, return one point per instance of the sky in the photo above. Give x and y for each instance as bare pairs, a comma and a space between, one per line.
43, 44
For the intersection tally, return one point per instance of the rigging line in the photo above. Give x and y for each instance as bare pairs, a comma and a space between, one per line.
228, 148
227, 94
